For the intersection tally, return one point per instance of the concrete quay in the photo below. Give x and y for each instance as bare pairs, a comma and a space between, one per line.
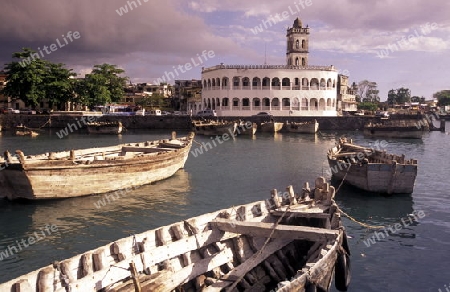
10, 121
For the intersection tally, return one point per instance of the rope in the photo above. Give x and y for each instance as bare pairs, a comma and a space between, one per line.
350, 217
359, 222
48, 121
197, 143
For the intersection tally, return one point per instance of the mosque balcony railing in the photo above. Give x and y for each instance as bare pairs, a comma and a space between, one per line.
271, 67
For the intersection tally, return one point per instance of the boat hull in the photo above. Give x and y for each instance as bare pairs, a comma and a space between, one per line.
247, 128
212, 129
371, 169
225, 249
401, 128
55, 179
387, 133
271, 127
305, 128
377, 177
96, 128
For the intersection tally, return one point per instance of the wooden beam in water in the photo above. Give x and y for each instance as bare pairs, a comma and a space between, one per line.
258, 229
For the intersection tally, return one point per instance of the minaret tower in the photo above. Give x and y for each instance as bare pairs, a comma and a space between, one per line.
297, 44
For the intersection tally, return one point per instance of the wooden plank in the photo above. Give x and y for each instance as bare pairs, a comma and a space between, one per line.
259, 229
145, 149
167, 280
290, 214
248, 265
134, 276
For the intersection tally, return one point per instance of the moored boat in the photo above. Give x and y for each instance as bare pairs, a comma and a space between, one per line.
290, 242
371, 169
105, 127
246, 128
22, 130
310, 127
412, 129
271, 127
212, 128
91, 171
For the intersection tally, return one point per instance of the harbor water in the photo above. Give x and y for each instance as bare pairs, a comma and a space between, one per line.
414, 256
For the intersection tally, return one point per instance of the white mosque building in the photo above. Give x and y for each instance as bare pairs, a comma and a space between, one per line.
294, 89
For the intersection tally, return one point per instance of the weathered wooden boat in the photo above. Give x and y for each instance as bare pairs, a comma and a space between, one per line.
271, 127
408, 129
309, 127
75, 173
371, 169
292, 242
246, 128
105, 127
212, 128
22, 130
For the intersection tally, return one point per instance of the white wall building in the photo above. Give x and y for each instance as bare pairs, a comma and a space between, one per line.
295, 89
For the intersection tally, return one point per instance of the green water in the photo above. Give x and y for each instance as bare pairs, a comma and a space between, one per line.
239, 171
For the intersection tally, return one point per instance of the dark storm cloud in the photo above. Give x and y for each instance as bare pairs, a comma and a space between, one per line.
157, 28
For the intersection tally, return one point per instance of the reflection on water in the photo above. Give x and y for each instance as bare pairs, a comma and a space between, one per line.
240, 171
79, 218
157, 196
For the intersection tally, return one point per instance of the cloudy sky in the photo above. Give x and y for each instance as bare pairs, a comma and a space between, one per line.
395, 43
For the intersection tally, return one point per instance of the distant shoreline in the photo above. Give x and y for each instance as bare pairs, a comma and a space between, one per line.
10, 121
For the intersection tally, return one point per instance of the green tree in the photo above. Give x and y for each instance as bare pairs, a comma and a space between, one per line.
392, 97
403, 95
416, 98
399, 96
443, 97
368, 106
33, 80
59, 88
156, 100
25, 79
102, 86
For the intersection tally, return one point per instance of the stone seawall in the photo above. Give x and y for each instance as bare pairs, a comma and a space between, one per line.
9, 121
75, 122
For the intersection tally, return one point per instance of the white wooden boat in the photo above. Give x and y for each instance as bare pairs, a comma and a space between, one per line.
105, 127
292, 242
271, 127
310, 127
91, 171
371, 169
212, 128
